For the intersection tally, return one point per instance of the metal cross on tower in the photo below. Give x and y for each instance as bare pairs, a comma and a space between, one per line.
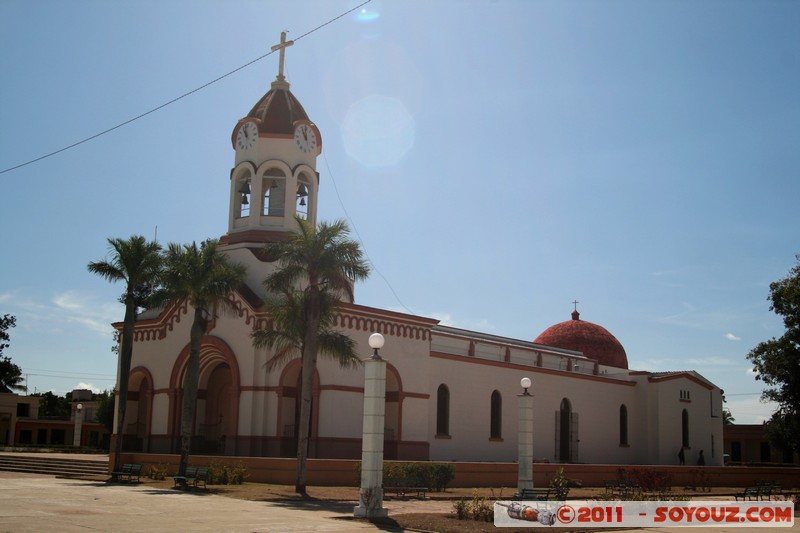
282, 47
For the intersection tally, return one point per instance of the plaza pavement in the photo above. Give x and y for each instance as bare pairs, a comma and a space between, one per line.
41, 503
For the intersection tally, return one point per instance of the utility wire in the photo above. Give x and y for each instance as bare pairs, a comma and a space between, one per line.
181, 97
363, 246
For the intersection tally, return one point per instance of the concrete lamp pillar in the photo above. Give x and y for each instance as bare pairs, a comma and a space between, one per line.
370, 502
76, 437
525, 438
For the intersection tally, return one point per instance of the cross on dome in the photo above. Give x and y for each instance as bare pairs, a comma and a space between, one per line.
575, 314
282, 47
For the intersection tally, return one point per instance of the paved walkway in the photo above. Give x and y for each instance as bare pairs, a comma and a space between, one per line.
36, 503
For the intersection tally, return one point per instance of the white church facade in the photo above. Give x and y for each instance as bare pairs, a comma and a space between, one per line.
451, 394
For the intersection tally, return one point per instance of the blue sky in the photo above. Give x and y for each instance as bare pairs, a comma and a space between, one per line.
497, 159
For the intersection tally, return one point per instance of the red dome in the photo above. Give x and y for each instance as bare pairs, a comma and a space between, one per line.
278, 110
595, 342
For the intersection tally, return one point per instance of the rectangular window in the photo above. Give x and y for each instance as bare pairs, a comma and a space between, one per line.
58, 436
23, 410
766, 456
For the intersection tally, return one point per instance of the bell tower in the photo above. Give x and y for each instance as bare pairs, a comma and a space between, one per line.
274, 177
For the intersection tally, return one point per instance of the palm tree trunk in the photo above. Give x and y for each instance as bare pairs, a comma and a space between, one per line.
190, 385
125, 357
309, 368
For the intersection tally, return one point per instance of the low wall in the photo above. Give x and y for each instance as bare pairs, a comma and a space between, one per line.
342, 472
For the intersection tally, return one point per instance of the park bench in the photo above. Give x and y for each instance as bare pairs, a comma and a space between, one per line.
749, 493
401, 486
621, 487
195, 475
542, 494
767, 489
128, 472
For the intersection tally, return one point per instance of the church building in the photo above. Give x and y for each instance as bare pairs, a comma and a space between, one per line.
451, 394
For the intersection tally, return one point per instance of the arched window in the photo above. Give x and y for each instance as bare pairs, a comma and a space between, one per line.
623, 425
685, 428
566, 433
443, 410
496, 422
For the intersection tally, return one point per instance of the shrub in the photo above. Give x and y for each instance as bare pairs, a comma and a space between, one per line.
434, 476
158, 472
482, 509
441, 475
224, 474
461, 509
479, 509
648, 479
560, 482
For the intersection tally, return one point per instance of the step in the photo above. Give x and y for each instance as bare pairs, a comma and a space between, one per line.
53, 466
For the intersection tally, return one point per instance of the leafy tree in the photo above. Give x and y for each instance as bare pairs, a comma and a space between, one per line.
10, 374
137, 262
105, 409
317, 267
777, 363
727, 417
203, 276
6, 322
53, 406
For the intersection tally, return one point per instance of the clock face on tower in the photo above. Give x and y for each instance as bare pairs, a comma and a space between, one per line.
305, 138
247, 136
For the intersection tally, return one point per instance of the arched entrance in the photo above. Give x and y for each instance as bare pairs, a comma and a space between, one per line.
392, 414
214, 410
216, 419
289, 410
136, 431
566, 433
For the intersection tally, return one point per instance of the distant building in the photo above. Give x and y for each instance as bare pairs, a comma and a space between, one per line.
20, 424
15, 408
747, 444
450, 393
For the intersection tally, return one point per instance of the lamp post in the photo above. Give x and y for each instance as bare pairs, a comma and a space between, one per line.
76, 437
525, 437
370, 501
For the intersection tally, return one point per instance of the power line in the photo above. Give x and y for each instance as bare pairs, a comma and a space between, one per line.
59, 373
72, 377
358, 236
181, 97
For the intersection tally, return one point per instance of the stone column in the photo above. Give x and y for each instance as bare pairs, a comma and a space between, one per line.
370, 504
76, 437
525, 442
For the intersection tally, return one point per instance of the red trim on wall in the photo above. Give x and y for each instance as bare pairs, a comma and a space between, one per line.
539, 370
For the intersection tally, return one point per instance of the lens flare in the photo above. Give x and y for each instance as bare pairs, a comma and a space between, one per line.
378, 131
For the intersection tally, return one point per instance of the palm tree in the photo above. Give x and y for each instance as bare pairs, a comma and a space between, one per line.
203, 276
318, 266
137, 262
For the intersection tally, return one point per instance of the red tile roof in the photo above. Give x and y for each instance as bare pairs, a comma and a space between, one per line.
595, 342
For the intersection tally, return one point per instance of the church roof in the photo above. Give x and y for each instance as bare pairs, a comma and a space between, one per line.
595, 342
278, 110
